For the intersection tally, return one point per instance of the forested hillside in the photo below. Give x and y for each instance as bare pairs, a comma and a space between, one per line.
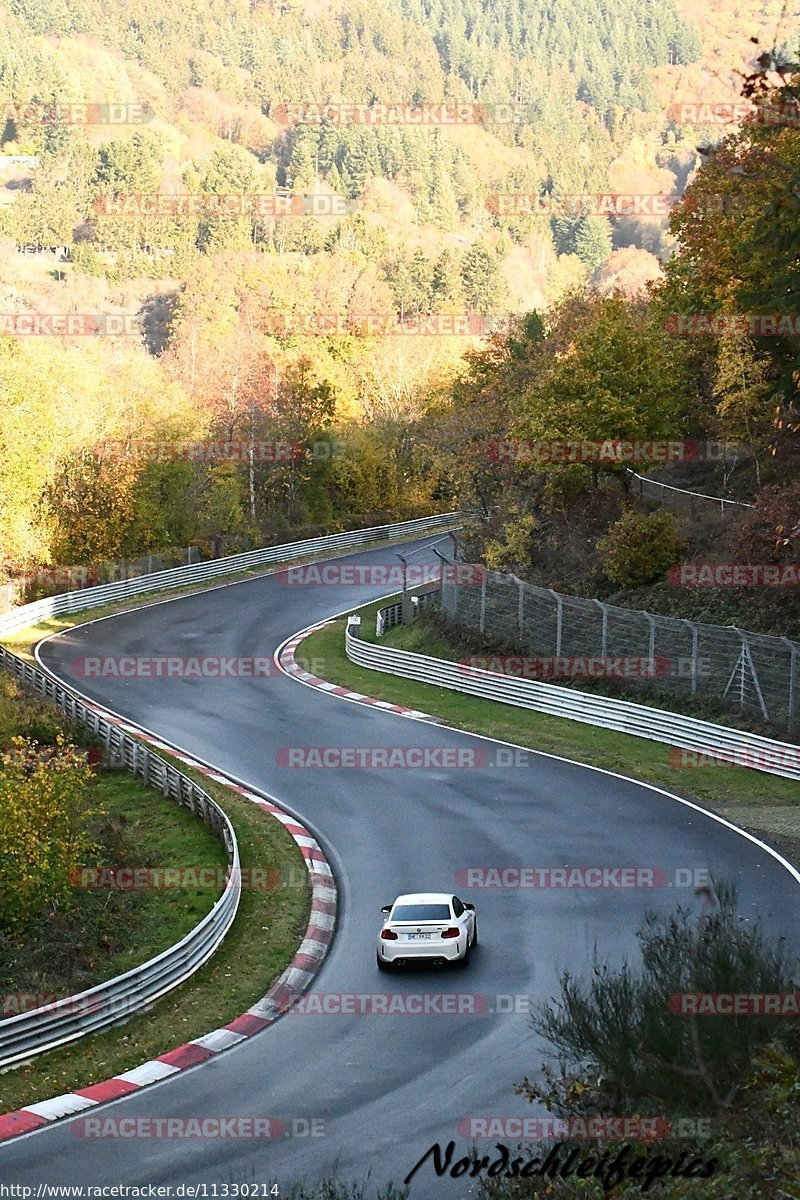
215, 322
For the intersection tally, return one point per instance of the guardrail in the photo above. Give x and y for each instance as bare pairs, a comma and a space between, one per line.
734, 745
75, 577
392, 614
216, 568
31, 1033
388, 617
645, 484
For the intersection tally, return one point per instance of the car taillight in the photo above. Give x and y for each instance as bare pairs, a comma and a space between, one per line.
451, 933
388, 935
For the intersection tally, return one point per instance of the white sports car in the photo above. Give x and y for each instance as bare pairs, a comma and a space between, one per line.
433, 926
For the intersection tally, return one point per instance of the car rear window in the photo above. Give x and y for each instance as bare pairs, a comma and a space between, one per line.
421, 912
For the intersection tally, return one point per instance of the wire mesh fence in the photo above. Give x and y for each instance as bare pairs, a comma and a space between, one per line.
573, 638
680, 498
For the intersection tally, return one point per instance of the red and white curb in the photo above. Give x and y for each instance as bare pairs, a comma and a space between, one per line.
291, 984
285, 659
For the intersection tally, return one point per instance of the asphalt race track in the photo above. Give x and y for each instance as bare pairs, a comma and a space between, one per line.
385, 1086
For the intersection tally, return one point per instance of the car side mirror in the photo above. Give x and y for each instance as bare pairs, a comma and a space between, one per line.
470, 907
387, 908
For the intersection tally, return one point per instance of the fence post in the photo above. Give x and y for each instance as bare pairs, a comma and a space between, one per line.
445, 564
559, 620
651, 652
604, 636
521, 606
483, 602
745, 662
695, 646
792, 672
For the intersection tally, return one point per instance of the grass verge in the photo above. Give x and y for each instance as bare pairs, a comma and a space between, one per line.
107, 932
764, 804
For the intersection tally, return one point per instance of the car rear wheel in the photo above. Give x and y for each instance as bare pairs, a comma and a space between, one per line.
382, 964
475, 934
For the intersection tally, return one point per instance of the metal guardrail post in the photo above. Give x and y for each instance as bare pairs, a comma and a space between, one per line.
695, 647
559, 619
483, 602
792, 679
604, 631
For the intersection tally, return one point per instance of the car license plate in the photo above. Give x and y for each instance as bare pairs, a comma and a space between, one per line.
418, 937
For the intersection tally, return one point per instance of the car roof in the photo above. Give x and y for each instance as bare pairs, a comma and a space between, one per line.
425, 898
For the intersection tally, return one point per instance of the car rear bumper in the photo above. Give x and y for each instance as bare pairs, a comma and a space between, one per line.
450, 949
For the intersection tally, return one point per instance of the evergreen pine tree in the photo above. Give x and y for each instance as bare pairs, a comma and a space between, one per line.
593, 240
446, 280
443, 206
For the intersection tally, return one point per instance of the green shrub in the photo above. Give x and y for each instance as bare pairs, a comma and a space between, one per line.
640, 548
46, 811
